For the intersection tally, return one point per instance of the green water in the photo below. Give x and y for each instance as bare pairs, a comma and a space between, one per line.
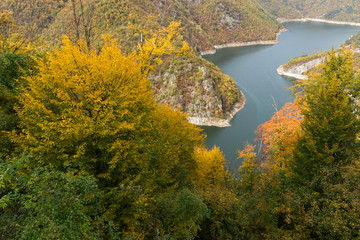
254, 70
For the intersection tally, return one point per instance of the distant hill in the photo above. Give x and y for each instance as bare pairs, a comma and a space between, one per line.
336, 10
196, 86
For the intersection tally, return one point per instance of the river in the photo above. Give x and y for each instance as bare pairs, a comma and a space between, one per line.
254, 70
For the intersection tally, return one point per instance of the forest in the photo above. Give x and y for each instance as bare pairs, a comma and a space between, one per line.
86, 153
335, 10
182, 80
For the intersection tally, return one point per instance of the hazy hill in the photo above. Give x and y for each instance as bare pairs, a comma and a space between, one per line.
188, 83
338, 10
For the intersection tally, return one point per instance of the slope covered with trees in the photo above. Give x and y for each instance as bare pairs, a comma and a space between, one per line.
86, 152
335, 10
187, 83
305, 183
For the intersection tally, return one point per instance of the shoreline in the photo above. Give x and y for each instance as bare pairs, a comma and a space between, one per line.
297, 71
243, 44
218, 122
275, 41
286, 73
285, 20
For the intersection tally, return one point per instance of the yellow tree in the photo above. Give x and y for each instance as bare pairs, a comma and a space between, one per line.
94, 113
217, 187
13, 39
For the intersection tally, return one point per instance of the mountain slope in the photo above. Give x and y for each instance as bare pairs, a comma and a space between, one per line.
201, 90
336, 10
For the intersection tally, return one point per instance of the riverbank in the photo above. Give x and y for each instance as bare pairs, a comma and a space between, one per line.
243, 44
218, 122
284, 20
298, 71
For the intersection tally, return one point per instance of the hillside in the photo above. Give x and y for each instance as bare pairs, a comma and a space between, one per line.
354, 40
301, 67
196, 87
336, 10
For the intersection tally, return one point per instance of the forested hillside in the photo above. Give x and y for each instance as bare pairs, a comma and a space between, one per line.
336, 10
185, 82
86, 153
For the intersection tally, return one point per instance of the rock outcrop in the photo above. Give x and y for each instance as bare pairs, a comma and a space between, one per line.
207, 96
298, 71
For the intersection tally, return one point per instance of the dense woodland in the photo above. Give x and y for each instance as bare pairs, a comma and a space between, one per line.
187, 82
336, 10
86, 153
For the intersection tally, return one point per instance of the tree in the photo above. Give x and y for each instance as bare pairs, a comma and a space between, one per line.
7, 25
93, 113
330, 125
218, 188
278, 137
304, 185
180, 215
83, 20
43, 203
13, 69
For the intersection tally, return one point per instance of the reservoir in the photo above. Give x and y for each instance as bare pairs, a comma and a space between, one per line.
254, 70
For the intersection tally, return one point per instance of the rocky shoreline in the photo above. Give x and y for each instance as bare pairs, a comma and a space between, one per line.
297, 71
237, 44
284, 20
218, 122
242, 44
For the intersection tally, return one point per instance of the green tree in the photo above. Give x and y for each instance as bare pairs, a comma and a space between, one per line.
43, 203
218, 188
330, 125
180, 215
13, 69
323, 175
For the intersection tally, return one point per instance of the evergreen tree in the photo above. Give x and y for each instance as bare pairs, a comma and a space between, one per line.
330, 125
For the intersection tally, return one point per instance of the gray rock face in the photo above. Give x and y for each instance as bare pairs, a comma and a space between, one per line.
297, 71
191, 2
199, 98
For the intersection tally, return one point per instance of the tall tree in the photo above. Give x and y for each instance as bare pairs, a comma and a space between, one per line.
331, 122
94, 113
83, 15
278, 137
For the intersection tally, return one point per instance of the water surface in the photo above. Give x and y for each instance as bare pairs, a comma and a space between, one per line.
254, 70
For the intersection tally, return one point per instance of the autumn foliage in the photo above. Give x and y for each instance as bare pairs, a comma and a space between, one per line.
278, 136
303, 185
